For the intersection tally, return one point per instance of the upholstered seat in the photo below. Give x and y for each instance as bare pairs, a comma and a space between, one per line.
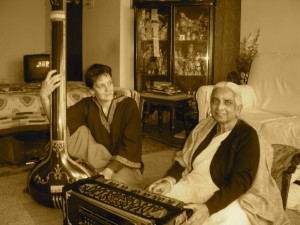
78, 90
285, 161
128, 92
271, 105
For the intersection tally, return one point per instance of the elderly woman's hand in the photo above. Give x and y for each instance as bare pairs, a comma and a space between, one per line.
50, 83
162, 186
107, 173
200, 214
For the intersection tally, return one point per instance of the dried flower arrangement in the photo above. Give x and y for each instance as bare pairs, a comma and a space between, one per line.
248, 50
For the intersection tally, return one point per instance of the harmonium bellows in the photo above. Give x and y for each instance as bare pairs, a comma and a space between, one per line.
105, 202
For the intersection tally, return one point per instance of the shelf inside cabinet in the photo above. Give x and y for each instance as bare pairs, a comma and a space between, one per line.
174, 43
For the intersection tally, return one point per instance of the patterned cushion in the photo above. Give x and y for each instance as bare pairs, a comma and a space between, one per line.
128, 92
21, 108
284, 165
77, 90
282, 160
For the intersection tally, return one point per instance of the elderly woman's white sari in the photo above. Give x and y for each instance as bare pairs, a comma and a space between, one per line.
261, 204
197, 187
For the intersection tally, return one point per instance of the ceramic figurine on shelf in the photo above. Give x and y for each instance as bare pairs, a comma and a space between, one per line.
148, 31
186, 70
176, 62
191, 52
183, 22
152, 68
159, 61
188, 35
179, 63
163, 32
164, 69
147, 57
143, 14
198, 57
198, 70
147, 25
144, 26
141, 25
198, 23
142, 31
194, 36
147, 16
178, 68
203, 68
177, 31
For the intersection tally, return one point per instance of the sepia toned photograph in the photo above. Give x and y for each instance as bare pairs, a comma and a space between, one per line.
150, 112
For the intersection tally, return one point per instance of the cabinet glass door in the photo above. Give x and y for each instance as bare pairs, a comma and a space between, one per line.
191, 46
152, 46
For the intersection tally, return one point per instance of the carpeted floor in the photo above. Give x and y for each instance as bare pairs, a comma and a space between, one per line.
18, 208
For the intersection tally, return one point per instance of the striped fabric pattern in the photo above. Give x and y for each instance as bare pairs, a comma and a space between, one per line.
21, 108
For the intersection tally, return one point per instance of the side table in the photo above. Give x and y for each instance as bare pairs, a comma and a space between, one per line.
172, 101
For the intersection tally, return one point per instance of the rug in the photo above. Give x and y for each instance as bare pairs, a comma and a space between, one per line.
18, 208
11, 170
151, 146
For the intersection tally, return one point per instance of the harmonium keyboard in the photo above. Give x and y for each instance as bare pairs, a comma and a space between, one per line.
105, 202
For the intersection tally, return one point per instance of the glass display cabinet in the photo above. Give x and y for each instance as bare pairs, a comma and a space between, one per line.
173, 43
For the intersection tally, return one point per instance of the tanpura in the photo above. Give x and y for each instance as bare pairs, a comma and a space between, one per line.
47, 179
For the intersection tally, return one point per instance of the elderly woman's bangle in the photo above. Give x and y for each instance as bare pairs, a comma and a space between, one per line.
171, 180
107, 173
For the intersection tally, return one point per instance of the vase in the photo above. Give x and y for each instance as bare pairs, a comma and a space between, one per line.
244, 77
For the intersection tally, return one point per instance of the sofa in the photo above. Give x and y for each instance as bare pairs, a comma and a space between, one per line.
271, 104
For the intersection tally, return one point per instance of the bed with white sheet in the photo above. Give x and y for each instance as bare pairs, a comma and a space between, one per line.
21, 108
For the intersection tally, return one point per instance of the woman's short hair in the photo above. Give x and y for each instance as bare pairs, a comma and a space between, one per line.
95, 71
232, 86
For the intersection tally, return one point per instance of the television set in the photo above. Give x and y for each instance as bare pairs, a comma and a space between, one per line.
36, 67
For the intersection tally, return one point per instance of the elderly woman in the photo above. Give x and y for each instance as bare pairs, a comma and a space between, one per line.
104, 130
223, 171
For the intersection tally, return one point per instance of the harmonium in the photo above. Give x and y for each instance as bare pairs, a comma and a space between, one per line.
106, 202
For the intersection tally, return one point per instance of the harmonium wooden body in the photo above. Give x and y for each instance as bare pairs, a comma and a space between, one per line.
105, 202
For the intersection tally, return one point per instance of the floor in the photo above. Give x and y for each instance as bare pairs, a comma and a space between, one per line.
164, 137
18, 208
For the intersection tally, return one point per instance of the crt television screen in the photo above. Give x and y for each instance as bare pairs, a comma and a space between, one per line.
36, 67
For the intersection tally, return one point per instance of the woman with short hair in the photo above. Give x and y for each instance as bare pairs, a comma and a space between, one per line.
103, 129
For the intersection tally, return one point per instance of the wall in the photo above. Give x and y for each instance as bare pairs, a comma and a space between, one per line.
25, 29
108, 38
127, 43
101, 35
278, 22
108, 33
